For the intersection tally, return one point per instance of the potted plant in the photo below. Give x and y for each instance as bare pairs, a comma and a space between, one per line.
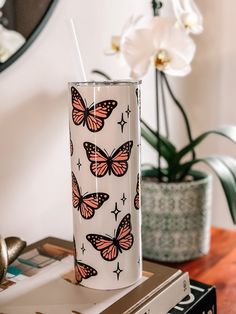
176, 199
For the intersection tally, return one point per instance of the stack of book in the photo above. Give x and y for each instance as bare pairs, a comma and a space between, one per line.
42, 281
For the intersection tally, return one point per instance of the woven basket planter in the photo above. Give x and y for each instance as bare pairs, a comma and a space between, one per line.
176, 219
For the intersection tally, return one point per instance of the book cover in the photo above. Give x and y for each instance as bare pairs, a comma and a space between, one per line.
42, 280
201, 300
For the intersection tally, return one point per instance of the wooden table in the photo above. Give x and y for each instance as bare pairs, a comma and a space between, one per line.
218, 268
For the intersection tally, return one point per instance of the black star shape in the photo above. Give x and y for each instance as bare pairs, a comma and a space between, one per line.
83, 248
117, 271
128, 111
79, 163
137, 95
139, 260
116, 211
122, 122
123, 199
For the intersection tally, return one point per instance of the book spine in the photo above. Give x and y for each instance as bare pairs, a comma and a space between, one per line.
168, 298
201, 300
206, 304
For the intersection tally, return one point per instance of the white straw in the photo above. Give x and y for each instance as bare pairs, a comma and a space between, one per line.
75, 36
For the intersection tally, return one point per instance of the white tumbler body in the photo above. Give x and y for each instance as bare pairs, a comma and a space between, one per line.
105, 162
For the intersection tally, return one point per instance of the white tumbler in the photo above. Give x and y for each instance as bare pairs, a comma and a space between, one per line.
105, 162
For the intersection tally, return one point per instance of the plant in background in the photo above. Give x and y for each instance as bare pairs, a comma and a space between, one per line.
164, 43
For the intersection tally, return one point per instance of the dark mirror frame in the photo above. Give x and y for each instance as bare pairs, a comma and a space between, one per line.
36, 31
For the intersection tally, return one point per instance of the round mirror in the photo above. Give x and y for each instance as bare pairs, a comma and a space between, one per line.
20, 23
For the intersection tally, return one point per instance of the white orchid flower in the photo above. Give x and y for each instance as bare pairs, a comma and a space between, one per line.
188, 16
168, 48
10, 42
116, 40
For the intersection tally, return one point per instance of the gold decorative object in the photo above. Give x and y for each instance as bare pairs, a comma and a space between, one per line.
3, 259
10, 249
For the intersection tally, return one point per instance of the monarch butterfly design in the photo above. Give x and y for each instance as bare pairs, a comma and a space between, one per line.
101, 162
137, 95
82, 271
110, 247
93, 116
71, 147
136, 199
86, 204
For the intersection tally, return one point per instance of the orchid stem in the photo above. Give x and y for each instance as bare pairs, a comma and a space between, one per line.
164, 108
156, 6
158, 123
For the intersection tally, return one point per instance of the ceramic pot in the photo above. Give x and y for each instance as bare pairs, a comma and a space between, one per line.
176, 219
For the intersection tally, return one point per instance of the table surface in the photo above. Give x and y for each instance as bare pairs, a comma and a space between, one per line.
218, 268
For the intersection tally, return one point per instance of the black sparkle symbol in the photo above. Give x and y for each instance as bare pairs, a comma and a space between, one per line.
79, 164
116, 211
138, 96
128, 111
139, 260
122, 122
123, 199
117, 271
83, 248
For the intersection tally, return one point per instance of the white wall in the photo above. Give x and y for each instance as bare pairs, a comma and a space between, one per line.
209, 92
35, 187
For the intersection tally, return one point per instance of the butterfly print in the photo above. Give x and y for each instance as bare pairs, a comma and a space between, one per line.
110, 247
136, 199
83, 271
71, 147
101, 162
86, 204
93, 116
75, 254
137, 95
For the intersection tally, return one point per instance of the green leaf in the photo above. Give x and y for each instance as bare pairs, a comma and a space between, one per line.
166, 149
227, 181
229, 162
225, 175
228, 132
151, 172
164, 139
